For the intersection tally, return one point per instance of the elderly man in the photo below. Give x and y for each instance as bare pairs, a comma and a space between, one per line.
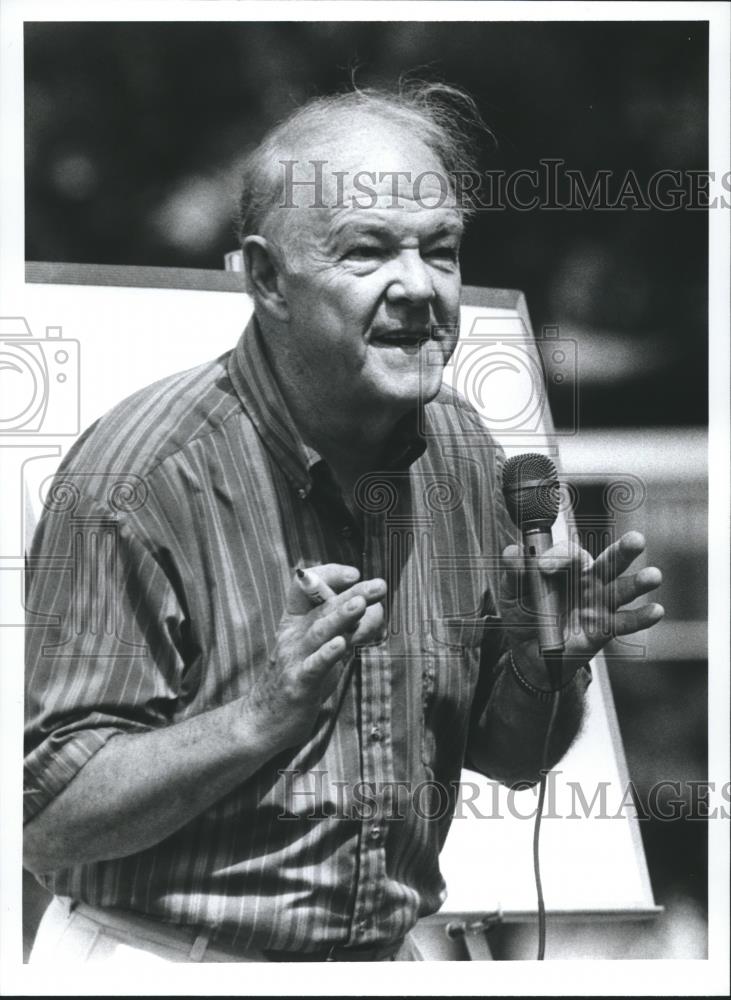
201, 726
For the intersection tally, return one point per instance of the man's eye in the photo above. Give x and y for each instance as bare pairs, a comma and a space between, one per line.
443, 252
365, 251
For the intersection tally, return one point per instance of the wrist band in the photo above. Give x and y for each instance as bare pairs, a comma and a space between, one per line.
542, 694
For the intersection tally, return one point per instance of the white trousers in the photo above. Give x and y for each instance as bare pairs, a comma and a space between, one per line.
70, 934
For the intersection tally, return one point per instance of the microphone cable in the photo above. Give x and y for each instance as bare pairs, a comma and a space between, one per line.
532, 499
553, 665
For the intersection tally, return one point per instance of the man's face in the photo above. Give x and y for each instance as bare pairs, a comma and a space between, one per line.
373, 292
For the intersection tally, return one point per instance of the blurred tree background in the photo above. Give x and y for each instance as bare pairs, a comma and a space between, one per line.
135, 134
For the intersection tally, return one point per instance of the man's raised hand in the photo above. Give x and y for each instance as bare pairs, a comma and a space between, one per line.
593, 598
312, 648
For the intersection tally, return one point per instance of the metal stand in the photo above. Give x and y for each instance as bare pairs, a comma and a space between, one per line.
474, 935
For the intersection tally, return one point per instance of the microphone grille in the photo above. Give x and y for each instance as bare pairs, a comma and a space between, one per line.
531, 489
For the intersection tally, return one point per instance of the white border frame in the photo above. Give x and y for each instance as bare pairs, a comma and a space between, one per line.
689, 978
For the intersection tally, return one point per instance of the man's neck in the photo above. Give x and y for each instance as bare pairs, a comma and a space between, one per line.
350, 444
351, 439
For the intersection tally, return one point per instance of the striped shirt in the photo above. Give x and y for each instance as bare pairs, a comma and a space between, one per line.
156, 583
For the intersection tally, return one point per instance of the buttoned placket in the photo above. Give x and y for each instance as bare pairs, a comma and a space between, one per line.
376, 759
363, 543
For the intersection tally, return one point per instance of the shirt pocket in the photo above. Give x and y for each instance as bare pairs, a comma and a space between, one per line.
450, 671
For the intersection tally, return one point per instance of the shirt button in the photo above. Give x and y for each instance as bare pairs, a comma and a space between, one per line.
346, 531
363, 926
376, 734
302, 494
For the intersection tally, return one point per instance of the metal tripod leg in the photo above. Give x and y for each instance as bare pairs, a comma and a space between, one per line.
474, 935
477, 947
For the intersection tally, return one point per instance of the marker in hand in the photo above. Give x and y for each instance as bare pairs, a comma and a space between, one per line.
316, 589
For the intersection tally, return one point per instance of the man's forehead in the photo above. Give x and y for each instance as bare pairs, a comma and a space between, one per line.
370, 152
388, 172
381, 219
371, 174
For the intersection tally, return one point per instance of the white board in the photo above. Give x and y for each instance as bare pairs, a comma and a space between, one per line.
126, 337
592, 859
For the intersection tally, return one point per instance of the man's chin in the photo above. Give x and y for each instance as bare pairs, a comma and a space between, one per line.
409, 385
409, 393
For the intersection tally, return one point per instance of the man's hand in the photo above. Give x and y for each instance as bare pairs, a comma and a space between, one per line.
313, 646
593, 598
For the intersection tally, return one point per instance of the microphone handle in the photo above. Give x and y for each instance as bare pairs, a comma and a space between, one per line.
542, 592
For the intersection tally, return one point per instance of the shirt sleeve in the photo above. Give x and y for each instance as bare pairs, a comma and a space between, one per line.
106, 644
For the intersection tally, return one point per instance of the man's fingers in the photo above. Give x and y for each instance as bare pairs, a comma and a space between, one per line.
333, 576
370, 627
513, 557
627, 588
561, 556
513, 565
337, 576
617, 558
564, 557
637, 619
342, 620
321, 660
372, 591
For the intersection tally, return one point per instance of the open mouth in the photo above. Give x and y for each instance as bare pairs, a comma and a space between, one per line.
401, 338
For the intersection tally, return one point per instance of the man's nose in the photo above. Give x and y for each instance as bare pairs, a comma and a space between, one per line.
411, 280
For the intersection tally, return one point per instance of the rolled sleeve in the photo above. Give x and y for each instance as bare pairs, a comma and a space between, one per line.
105, 649
49, 768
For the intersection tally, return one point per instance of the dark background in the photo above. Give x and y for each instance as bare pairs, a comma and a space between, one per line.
134, 137
134, 133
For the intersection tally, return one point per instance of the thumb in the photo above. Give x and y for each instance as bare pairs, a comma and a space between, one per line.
513, 565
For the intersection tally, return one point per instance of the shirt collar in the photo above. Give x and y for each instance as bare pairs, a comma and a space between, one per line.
257, 387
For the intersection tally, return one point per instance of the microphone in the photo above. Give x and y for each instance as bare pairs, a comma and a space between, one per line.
531, 491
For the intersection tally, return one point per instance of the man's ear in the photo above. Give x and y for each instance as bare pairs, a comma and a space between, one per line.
264, 276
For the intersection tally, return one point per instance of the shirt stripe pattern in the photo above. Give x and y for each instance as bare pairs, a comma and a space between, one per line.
156, 583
